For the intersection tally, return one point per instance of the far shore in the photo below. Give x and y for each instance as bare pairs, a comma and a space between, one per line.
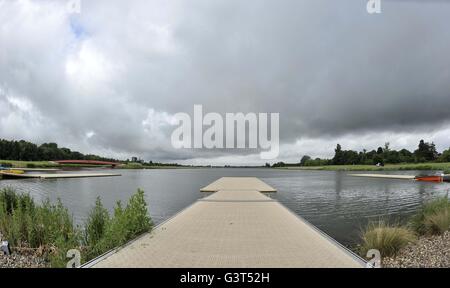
445, 167
439, 167
50, 164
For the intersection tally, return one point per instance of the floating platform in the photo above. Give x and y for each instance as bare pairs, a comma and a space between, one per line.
39, 169
7, 175
421, 178
387, 176
239, 183
237, 226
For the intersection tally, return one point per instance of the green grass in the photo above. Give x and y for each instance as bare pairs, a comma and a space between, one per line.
41, 164
28, 164
388, 239
387, 167
432, 218
132, 165
438, 223
50, 228
49, 164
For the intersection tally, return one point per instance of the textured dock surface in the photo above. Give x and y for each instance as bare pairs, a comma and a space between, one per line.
235, 227
238, 183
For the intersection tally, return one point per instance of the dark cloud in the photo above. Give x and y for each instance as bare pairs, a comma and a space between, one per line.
328, 67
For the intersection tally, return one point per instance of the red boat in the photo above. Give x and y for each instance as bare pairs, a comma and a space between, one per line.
434, 178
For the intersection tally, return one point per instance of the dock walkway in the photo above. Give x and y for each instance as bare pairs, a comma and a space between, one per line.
237, 226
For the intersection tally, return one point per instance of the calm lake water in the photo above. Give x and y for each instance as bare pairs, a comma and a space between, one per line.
336, 203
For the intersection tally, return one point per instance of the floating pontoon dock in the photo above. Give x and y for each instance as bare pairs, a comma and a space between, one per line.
237, 226
387, 176
422, 178
7, 175
38, 169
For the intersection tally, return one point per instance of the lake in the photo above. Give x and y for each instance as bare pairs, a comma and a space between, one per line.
338, 204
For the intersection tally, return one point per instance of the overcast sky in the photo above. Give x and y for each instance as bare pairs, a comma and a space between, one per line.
109, 79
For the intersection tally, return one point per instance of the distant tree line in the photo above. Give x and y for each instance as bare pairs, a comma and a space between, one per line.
151, 163
26, 151
425, 152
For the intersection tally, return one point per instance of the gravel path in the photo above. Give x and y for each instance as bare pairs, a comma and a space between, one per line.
22, 259
430, 252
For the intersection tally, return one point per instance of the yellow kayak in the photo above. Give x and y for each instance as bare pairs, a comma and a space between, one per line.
15, 171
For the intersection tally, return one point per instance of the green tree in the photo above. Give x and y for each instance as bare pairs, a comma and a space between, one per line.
377, 159
445, 156
386, 147
26, 151
406, 156
425, 152
338, 158
304, 159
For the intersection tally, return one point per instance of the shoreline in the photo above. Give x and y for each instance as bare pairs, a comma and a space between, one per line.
51, 165
445, 166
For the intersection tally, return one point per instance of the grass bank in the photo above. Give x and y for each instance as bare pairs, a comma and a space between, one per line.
28, 164
39, 164
386, 238
388, 167
142, 166
49, 164
433, 219
48, 228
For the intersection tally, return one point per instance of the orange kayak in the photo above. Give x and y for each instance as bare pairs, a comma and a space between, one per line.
432, 178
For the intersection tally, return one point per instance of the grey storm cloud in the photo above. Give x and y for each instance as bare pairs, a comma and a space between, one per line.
109, 79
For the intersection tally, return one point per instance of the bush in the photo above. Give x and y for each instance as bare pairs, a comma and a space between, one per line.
437, 223
8, 200
431, 212
95, 228
50, 226
136, 215
96, 224
388, 239
104, 233
117, 232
